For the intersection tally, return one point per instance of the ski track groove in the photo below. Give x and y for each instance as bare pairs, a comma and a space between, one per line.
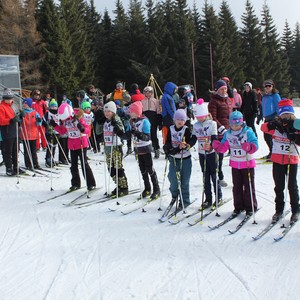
233, 272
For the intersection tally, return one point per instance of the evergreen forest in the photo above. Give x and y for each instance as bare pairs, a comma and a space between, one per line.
65, 45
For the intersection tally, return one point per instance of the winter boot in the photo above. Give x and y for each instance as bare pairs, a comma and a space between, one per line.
145, 194
156, 153
294, 217
74, 188
156, 189
206, 204
276, 217
129, 151
10, 172
236, 212
223, 183
220, 202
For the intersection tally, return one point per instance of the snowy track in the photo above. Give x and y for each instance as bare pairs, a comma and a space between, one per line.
51, 251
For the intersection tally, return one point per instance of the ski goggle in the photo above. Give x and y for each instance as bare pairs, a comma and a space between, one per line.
236, 121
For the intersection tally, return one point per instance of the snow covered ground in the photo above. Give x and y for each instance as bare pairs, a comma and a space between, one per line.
51, 251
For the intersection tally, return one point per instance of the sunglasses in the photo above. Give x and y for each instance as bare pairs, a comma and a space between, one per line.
37, 94
236, 121
268, 86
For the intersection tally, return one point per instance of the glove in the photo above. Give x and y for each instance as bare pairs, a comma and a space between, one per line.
38, 120
274, 124
14, 120
136, 133
80, 127
113, 122
216, 144
247, 147
292, 136
52, 123
22, 114
221, 130
288, 125
174, 151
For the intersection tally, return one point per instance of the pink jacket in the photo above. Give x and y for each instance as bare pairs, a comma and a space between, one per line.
76, 139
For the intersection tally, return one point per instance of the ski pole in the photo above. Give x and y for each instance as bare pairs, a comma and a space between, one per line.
217, 186
61, 148
250, 189
286, 183
17, 149
83, 167
49, 147
203, 191
163, 184
117, 173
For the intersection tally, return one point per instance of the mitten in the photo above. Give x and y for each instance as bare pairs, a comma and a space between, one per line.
246, 147
216, 144
38, 119
14, 120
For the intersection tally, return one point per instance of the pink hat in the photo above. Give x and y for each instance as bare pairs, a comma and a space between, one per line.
136, 108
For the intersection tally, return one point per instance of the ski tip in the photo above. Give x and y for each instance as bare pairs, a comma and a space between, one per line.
231, 232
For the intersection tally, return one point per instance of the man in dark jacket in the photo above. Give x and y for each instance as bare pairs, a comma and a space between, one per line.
249, 106
220, 107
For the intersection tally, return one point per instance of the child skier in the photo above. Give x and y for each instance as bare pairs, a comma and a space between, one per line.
142, 145
29, 134
51, 134
88, 116
73, 124
284, 157
242, 142
113, 131
205, 131
178, 151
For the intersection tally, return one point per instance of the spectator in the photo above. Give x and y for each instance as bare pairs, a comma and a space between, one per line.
95, 94
249, 106
220, 108
270, 102
259, 102
237, 100
151, 109
120, 94
229, 88
135, 93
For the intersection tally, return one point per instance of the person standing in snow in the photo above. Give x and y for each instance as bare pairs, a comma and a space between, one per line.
140, 130
220, 107
113, 131
168, 108
285, 157
31, 120
73, 123
242, 143
249, 106
269, 107
8, 128
205, 132
177, 148
151, 109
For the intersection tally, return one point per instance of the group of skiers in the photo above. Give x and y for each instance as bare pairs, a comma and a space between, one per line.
135, 117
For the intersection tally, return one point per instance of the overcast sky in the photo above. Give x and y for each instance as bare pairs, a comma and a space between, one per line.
281, 10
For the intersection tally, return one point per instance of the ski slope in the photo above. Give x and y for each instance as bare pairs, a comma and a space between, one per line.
53, 251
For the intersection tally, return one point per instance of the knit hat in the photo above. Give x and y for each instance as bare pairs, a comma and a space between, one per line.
180, 114
7, 94
285, 106
236, 118
136, 108
110, 106
53, 103
269, 82
249, 84
148, 89
219, 84
95, 102
27, 101
85, 105
118, 103
201, 109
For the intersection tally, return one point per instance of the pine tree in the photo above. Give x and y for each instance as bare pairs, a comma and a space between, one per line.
287, 49
295, 61
252, 49
74, 14
31, 50
231, 63
277, 66
138, 70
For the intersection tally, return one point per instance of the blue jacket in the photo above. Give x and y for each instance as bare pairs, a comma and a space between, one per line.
270, 106
168, 104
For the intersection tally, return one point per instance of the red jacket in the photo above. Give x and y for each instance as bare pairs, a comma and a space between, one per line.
40, 107
137, 96
6, 113
29, 127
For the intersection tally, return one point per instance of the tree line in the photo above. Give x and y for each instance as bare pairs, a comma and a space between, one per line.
65, 45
